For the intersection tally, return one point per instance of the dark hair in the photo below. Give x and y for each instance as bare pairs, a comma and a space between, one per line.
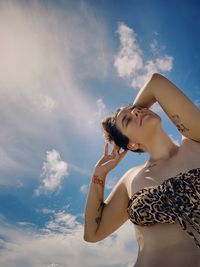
112, 134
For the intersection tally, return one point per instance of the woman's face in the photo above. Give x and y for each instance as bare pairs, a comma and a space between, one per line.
138, 124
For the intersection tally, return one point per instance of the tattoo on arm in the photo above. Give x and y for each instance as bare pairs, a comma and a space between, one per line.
179, 125
97, 220
100, 209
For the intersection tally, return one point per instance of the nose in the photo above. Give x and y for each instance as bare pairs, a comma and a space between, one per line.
136, 111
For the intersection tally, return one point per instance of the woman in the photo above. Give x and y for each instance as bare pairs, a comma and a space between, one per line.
162, 196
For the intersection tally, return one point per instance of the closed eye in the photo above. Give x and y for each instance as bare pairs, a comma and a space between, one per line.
127, 121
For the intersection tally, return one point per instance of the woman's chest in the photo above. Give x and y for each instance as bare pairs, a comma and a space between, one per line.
187, 159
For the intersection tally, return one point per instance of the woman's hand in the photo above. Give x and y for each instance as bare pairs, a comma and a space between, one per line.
109, 161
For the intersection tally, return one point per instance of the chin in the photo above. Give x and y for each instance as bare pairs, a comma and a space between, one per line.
152, 124
153, 118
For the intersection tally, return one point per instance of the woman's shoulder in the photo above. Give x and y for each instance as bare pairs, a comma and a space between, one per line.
131, 173
134, 170
190, 143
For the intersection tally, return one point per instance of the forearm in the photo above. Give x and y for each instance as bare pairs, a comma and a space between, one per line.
178, 107
94, 206
145, 97
160, 89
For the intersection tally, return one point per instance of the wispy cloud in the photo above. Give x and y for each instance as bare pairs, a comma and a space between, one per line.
44, 65
61, 244
154, 46
130, 61
54, 170
76, 168
100, 112
63, 223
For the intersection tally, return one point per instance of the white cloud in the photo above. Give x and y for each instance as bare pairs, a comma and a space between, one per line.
101, 107
63, 223
129, 58
62, 245
130, 63
99, 114
23, 223
8, 161
76, 168
84, 188
44, 103
47, 211
154, 46
44, 65
164, 63
54, 170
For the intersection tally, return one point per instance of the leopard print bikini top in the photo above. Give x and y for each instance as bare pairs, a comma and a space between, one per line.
177, 199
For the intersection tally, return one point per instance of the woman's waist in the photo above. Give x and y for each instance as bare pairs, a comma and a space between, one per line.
173, 256
164, 236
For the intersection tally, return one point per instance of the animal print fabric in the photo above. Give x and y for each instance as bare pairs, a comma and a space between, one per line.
177, 199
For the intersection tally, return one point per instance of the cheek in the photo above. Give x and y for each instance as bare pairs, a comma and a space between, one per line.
134, 134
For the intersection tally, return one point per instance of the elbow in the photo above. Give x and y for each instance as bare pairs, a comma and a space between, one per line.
157, 76
92, 238
89, 239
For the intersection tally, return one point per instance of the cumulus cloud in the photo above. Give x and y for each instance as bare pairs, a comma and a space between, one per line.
61, 244
54, 170
130, 62
129, 58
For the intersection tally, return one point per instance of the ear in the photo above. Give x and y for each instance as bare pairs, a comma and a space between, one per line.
133, 146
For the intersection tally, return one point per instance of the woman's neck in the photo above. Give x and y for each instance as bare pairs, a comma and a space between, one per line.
161, 148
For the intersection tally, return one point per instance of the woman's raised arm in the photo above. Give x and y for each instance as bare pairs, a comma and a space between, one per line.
179, 108
104, 217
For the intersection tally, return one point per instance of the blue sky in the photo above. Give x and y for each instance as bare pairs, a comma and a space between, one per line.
64, 66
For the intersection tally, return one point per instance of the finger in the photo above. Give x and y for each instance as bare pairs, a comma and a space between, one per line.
115, 149
122, 154
106, 149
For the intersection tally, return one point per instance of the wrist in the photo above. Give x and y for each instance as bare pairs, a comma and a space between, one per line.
97, 180
98, 172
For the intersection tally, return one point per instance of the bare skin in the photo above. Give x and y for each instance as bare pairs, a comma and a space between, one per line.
165, 245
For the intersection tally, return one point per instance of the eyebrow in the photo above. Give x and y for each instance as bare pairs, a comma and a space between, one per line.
133, 106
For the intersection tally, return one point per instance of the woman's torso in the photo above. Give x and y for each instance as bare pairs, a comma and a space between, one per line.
163, 243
